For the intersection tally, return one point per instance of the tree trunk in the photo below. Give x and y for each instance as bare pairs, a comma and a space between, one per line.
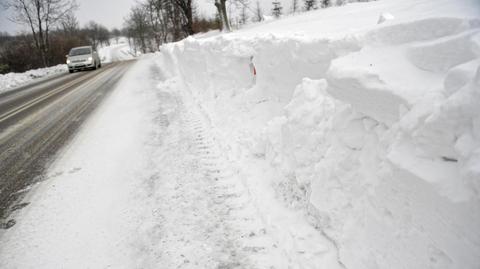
41, 34
222, 10
189, 15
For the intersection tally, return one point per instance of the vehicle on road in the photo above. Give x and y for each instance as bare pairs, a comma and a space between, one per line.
82, 58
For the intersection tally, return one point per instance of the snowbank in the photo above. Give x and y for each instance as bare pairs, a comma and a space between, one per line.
372, 131
12, 80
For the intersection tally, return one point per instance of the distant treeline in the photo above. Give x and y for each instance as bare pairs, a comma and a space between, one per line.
54, 29
154, 22
18, 53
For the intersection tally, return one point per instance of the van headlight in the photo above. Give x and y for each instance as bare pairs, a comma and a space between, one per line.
89, 59
68, 61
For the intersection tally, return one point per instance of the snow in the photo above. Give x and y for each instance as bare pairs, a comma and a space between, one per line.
385, 17
11, 80
146, 182
116, 51
356, 145
81, 214
120, 51
370, 130
356, 18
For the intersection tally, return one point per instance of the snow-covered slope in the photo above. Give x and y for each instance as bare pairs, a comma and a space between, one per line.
372, 131
116, 51
12, 80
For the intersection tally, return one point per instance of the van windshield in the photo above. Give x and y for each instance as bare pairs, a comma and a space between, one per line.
80, 51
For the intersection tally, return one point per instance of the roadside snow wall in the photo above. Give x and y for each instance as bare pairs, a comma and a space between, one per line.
375, 137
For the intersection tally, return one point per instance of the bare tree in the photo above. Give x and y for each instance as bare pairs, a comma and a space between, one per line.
95, 33
153, 20
175, 20
277, 9
158, 19
295, 6
69, 24
258, 12
40, 16
222, 11
138, 28
244, 7
161, 10
115, 33
186, 9
104, 36
310, 4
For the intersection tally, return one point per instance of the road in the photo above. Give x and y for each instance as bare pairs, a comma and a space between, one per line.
36, 120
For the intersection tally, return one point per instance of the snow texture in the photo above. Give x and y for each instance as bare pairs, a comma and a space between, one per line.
11, 80
357, 145
372, 131
116, 51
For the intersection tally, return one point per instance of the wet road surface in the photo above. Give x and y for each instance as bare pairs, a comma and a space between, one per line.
36, 120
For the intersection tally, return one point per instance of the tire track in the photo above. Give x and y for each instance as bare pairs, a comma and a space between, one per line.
201, 216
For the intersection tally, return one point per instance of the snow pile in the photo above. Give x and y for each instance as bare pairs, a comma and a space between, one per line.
403, 88
12, 80
372, 131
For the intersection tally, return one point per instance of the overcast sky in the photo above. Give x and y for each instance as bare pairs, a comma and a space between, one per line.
111, 13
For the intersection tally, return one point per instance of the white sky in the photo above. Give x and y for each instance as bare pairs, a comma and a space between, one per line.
111, 13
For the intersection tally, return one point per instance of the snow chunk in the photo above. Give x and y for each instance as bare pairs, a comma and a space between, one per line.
385, 17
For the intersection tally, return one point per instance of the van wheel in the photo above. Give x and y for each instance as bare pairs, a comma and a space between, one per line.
71, 71
95, 66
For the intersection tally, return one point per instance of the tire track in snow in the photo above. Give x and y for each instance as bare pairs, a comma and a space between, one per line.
240, 225
200, 216
202, 211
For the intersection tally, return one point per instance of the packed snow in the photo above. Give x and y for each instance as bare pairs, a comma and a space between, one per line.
322, 140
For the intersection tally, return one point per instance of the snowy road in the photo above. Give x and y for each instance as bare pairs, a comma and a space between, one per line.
353, 145
36, 120
144, 184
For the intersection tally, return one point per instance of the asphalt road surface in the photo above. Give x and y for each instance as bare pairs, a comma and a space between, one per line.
36, 120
